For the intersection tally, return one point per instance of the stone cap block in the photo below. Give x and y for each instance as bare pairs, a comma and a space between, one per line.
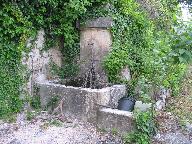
101, 22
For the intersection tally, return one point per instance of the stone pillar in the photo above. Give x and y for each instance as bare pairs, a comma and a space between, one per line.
95, 43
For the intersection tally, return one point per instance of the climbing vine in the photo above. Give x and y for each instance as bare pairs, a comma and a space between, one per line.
14, 32
19, 21
143, 42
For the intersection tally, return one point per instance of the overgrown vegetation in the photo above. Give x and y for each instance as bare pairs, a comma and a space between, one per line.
145, 127
14, 31
180, 106
145, 42
19, 21
146, 49
151, 48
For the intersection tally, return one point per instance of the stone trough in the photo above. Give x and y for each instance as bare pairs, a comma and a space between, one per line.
97, 106
92, 105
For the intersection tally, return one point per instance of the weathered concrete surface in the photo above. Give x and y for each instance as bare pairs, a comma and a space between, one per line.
116, 93
101, 22
38, 61
94, 46
74, 98
112, 119
82, 103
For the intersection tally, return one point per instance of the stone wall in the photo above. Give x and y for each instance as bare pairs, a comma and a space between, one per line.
38, 61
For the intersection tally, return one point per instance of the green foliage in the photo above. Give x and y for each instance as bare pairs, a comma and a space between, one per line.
35, 102
143, 46
131, 40
102, 130
145, 128
10, 118
20, 20
14, 32
30, 115
182, 43
114, 131
56, 123
52, 103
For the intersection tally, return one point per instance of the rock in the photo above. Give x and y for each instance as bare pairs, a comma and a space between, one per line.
41, 77
142, 106
159, 105
116, 93
161, 99
15, 141
21, 119
44, 115
125, 74
1, 122
189, 127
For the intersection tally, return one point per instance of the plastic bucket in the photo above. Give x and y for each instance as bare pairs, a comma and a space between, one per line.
126, 104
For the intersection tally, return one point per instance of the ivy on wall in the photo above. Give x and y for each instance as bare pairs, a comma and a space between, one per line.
139, 41
13, 35
142, 41
19, 21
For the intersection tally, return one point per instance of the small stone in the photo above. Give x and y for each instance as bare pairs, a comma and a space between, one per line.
126, 74
189, 127
4, 129
41, 77
160, 104
142, 106
1, 122
157, 136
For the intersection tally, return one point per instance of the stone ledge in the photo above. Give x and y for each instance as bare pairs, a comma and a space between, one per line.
109, 119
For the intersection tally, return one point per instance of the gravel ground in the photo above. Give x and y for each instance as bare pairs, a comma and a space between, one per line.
41, 131
170, 131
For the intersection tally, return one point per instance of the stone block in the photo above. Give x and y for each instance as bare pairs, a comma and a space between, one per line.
109, 119
101, 22
116, 93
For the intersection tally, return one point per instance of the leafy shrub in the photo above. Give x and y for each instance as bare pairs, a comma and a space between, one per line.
145, 128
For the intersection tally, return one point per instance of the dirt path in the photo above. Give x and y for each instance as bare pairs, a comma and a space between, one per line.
170, 131
39, 131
